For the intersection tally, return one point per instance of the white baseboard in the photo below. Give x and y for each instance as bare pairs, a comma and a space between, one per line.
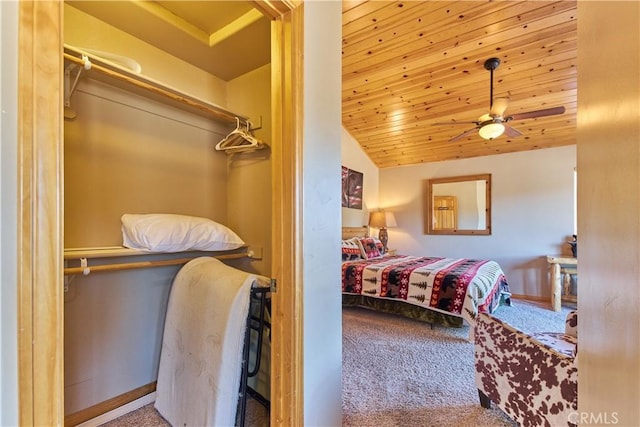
120, 411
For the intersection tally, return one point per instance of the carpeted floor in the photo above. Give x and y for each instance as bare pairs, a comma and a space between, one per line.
400, 372
147, 416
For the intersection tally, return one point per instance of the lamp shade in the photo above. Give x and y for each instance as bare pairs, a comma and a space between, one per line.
491, 130
382, 219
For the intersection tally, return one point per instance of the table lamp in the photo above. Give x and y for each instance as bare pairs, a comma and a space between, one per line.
382, 220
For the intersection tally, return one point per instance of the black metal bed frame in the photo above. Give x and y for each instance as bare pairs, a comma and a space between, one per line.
257, 323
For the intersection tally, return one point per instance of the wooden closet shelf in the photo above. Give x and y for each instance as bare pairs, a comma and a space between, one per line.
102, 252
111, 73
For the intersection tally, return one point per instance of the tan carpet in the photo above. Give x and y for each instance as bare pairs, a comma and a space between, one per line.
400, 372
147, 416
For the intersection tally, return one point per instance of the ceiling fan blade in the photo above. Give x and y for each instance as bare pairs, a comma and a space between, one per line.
538, 113
511, 132
484, 118
463, 134
499, 106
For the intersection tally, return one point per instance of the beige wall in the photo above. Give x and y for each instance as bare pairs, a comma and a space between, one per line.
354, 157
608, 221
112, 333
320, 215
8, 214
249, 174
126, 154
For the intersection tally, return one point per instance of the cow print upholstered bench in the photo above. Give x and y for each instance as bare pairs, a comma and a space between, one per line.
533, 378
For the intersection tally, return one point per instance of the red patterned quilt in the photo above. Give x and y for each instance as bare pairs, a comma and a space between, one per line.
459, 287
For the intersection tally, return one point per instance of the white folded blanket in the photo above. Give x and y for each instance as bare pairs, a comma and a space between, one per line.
201, 356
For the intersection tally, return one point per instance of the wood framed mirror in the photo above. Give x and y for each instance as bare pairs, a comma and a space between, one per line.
459, 205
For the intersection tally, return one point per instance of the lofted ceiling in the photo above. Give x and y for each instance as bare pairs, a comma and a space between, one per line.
224, 38
407, 65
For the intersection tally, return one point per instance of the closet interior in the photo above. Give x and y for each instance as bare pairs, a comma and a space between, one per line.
167, 111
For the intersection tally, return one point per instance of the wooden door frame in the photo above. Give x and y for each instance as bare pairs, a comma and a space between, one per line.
287, 400
41, 212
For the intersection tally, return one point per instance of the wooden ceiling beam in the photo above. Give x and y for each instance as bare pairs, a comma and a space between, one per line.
235, 26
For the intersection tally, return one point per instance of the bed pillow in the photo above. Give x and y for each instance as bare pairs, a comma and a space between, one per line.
369, 248
351, 250
176, 233
379, 245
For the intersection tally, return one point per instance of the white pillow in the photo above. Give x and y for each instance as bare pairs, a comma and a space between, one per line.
176, 233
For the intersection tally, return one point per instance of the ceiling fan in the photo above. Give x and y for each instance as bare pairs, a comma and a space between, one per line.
493, 124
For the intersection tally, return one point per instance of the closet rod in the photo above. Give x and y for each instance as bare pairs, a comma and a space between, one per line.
69, 271
130, 78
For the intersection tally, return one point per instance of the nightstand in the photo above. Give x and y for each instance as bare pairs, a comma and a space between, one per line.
561, 268
392, 252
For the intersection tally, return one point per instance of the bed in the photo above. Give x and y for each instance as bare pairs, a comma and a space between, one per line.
438, 290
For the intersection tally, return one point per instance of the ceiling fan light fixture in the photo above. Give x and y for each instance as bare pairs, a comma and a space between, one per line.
491, 125
491, 130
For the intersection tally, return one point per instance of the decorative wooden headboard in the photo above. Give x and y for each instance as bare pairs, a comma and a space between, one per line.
349, 232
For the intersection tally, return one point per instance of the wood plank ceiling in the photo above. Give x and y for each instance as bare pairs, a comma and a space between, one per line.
409, 64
